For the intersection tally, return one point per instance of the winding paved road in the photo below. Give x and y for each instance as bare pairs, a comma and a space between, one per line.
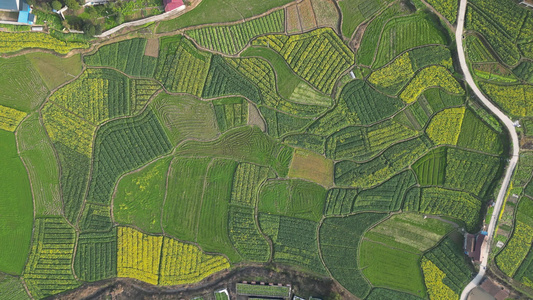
512, 162
161, 17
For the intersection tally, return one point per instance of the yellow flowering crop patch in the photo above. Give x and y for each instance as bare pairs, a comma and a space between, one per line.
303, 51
162, 260
86, 97
433, 277
69, 130
430, 77
138, 255
511, 257
399, 70
513, 99
10, 118
445, 126
15, 41
185, 263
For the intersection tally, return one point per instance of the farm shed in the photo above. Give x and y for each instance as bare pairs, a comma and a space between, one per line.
470, 241
172, 4
25, 15
496, 290
263, 290
473, 245
10, 5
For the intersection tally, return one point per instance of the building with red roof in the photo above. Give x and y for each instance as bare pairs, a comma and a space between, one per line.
172, 4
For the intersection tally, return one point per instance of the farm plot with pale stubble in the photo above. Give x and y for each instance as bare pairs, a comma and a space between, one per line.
311, 166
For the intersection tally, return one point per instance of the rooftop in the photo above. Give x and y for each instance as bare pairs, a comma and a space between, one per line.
12, 5
172, 4
496, 290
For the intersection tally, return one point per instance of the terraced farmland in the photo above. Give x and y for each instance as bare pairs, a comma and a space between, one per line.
335, 141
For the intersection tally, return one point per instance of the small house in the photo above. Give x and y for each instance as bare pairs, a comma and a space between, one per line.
473, 245
171, 4
25, 15
498, 291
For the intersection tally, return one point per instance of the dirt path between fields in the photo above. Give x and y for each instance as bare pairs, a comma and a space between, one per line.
303, 285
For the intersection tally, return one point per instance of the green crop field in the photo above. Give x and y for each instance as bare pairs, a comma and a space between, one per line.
341, 236
43, 170
55, 70
12, 288
269, 291
396, 245
319, 139
410, 231
185, 117
448, 258
293, 198
139, 196
213, 220
430, 169
290, 86
17, 220
123, 145
393, 268
363, 143
91, 267
356, 12
296, 243
387, 294
376, 171
126, 56
405, 33
514, 259
21, 85
369, 43
361, 100
211, 11
232, 39
500, 24
181, 209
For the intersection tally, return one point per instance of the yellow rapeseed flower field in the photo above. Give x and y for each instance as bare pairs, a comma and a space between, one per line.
399, 70
138, 255
445, 127
163, 260
15, 41
430, 77
511, 257
10, 118
86, 97
512, 98
68, 129
185, 263
433, 278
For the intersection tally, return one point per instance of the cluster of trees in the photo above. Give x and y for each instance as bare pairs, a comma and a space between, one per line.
86, 19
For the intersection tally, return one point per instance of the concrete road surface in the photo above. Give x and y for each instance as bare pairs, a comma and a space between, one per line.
515, 148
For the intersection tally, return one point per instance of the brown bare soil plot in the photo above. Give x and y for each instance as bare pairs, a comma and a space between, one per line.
152, 48
325, 13
309, 165
254, 117
293, 20
307, 15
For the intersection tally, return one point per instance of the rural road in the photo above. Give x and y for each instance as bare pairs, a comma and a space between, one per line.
515, 148
140, 22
